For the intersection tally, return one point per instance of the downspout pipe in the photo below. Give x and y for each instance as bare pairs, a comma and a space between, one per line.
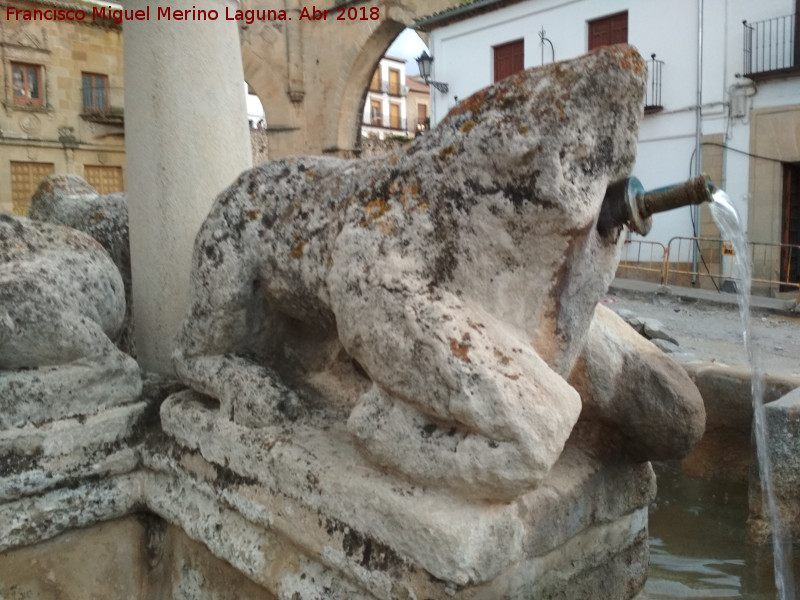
698, 163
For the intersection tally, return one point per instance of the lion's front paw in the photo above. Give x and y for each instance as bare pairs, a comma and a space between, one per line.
398, 437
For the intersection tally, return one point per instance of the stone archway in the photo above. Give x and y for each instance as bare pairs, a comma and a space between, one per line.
358, 80
312, 75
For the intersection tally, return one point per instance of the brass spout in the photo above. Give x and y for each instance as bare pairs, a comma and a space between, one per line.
626, 203
695, 191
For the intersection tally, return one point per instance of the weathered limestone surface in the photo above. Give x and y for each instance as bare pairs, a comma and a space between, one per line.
58, 453
626, 381
724, 452
782, 420
305, 516
448, 288
66, 199
61, 304
387, 362
380, 532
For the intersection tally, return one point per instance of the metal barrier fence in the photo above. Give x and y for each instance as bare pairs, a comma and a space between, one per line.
644, 257
772, 263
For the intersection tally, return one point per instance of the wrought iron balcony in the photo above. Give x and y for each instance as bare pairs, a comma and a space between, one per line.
652, 97
393, 88
772, 47
386, 123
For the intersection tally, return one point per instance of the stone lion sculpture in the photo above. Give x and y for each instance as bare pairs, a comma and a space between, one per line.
62, 304
459, 279
67, 199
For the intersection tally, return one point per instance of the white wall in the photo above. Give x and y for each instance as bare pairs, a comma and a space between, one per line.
463, 59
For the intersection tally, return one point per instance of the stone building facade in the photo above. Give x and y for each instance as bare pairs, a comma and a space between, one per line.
62, 97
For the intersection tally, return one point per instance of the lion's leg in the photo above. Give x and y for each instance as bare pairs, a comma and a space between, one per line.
102, 375
230, 323
459, 400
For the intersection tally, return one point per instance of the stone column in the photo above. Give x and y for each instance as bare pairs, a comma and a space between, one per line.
186, 138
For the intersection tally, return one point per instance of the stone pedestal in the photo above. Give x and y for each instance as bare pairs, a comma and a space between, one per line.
782, 418
725, 450
186, 136
300, 511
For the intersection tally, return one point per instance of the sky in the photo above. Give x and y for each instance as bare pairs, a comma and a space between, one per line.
407, 45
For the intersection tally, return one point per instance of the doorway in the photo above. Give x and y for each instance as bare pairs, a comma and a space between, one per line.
790, 225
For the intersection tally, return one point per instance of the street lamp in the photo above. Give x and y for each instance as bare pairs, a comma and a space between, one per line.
425, 62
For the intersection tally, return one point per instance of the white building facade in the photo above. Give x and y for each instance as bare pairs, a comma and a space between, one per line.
749, 91
385, 106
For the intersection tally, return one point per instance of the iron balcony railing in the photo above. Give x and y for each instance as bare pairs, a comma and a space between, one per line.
386, 123
392, 88
652, 98
772, 45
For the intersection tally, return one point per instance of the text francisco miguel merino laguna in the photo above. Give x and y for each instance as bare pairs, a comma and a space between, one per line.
167, 13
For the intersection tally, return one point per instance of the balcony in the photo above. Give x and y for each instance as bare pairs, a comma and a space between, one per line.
396, 123
652, 97
389, 87
103, 105
772, 47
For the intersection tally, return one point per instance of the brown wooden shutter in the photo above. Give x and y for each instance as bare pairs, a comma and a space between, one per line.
608, 30
394, 116
509, 59
394, 82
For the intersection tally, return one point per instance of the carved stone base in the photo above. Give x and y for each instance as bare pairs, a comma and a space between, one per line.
298, 512
257, 496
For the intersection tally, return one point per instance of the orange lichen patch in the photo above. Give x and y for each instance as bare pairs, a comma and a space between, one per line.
252, 214
627, 57
460, 350
376, 208
393, 160
467, 127
393, 188
297, 250
423, 205
98, 216
447, 151
523, 129
473, 104
501, 357
386, 227
312, 174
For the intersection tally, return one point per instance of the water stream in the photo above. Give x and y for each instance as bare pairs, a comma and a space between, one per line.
730, 228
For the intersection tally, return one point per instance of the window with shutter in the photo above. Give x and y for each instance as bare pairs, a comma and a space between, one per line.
608, 30
509, 59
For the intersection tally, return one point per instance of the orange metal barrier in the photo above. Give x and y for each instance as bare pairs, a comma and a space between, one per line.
771, 262
644, 257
